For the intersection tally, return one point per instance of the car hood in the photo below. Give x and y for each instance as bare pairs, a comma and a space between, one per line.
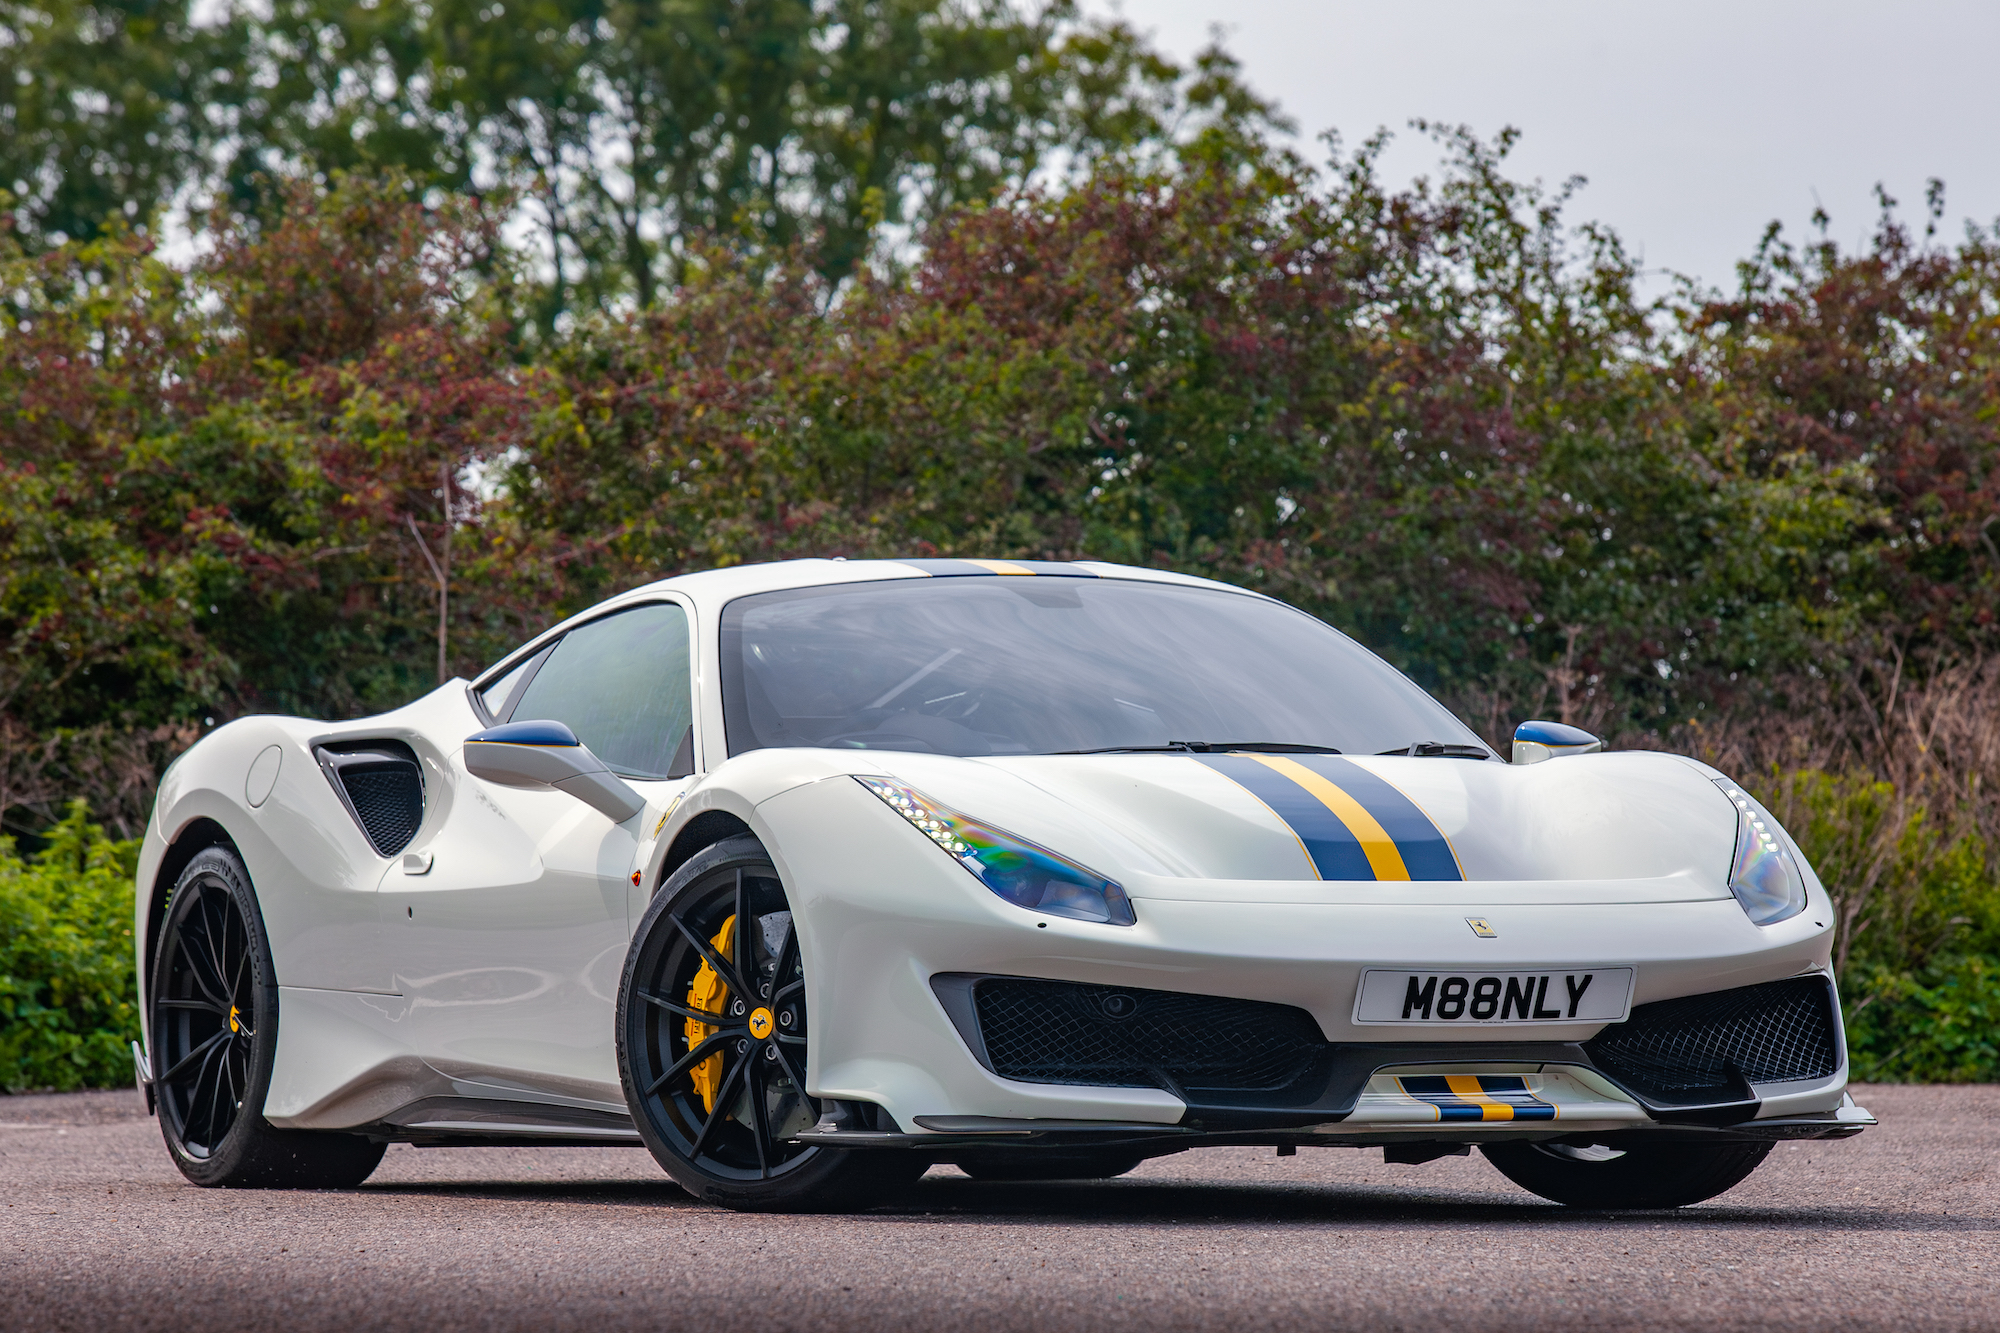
1634, 824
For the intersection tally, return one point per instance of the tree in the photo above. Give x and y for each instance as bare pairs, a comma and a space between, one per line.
1887, 362
621, 129
106, 110
1434, 418
216, 487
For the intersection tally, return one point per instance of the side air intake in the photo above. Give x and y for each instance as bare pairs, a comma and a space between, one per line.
382, 786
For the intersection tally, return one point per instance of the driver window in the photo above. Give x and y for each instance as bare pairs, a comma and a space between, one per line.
622, 685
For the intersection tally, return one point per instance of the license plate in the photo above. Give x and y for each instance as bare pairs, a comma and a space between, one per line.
1466, 995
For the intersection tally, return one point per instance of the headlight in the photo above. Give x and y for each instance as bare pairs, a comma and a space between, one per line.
1019, 871
1765, 876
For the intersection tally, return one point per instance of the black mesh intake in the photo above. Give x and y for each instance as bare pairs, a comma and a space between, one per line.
1695, 1049
385, 792
1107, 1036
390, 803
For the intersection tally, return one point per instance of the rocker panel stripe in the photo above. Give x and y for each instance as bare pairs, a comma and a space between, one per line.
1477, 1096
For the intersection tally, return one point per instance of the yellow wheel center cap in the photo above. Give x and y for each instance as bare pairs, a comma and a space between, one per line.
235, 1021
760, 1023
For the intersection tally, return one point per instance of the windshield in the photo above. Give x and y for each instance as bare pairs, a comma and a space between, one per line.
1041, 665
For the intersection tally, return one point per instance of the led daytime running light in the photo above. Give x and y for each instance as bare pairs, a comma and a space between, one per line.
1764, 874
1022, 872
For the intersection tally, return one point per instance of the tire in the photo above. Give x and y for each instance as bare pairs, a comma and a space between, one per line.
718, 1124
1051, 1164
1662, 1175
213, 1004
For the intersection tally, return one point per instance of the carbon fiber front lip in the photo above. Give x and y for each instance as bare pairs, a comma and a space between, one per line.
1032, 1135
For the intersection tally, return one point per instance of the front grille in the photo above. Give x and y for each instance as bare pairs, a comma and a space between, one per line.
1107, 1036
1695, 1049
383, 788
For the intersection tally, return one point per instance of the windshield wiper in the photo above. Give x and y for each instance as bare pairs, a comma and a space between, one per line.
1210, 747
1440, 750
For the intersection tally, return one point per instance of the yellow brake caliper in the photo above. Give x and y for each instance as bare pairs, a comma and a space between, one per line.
708, 993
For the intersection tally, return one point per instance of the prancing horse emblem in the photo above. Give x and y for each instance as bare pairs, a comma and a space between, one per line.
1481, 928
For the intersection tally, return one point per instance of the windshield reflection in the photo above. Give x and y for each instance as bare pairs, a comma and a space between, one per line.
1043, 665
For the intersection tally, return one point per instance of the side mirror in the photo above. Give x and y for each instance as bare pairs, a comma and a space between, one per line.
1536, 741
548, 754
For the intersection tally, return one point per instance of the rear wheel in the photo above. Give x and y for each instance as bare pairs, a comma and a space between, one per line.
214, 1029
1051, 1164
1661, 1175
712, 1046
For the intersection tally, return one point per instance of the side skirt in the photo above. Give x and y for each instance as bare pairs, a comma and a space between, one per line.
462, 1122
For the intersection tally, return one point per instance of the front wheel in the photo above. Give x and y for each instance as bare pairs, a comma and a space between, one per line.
1659, 1175
712, 1046
213, 1007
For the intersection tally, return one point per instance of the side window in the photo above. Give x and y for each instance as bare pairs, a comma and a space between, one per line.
622, 685
496, 695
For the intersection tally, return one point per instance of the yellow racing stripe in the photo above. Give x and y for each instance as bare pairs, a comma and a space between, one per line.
1376, 844
1467, 1086
1001, 566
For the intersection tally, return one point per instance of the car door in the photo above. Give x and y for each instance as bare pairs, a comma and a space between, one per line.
506, 947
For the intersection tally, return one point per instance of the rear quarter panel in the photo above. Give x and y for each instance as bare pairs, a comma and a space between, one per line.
315, 874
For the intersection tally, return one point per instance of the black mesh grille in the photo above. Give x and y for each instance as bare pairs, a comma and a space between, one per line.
1686, 1050
1059, 1032
389, 801
383, 788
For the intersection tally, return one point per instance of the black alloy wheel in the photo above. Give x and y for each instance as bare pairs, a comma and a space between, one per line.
1644, 1175
206, 1016
213, 1032
712, 1045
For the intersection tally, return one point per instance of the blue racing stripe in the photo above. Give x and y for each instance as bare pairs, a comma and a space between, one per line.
1426, 854
1506, 1094
1336, 853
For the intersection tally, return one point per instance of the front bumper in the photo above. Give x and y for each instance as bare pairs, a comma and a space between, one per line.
1761, 1053
883, 915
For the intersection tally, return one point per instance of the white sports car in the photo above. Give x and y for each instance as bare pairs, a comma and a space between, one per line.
806, 876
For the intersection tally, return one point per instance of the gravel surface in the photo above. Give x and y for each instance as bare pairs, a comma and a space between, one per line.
1899, 1227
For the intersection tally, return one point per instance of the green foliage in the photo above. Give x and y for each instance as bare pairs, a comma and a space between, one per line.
215, 482
623, 130
1936, 1024
1430, 417
1918, 952
106, 110
68, 1011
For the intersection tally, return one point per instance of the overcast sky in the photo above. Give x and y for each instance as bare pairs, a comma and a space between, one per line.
1696, 122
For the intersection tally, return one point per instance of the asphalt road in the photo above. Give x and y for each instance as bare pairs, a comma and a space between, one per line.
1897, 1228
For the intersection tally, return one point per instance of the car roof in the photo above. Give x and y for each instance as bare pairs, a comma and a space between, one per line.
726, 584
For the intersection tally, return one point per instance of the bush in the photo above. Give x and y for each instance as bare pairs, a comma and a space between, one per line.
1937, 1024
1919, 918
68, 1012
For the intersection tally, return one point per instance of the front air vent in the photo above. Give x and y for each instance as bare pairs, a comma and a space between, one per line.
382, 785
1210, 1047
1701, 1047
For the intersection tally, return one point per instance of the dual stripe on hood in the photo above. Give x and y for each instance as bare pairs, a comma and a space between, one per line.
1351, 823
